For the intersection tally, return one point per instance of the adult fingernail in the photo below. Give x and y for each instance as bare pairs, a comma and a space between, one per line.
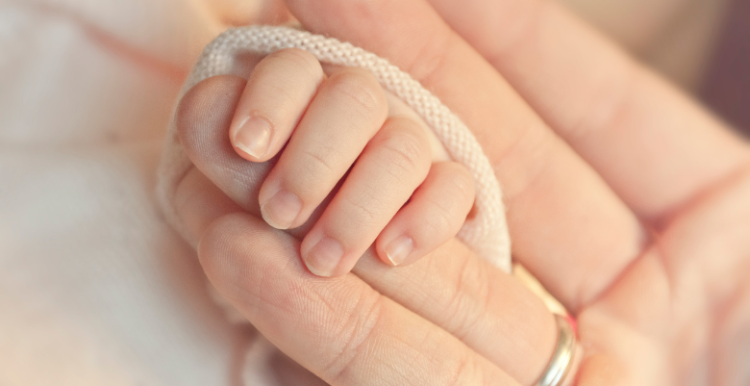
399, 249
281, 210
324, 257
253, 136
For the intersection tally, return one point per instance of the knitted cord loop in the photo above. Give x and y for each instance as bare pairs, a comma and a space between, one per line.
486, 233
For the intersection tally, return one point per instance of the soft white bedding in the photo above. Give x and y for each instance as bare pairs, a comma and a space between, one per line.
95, 288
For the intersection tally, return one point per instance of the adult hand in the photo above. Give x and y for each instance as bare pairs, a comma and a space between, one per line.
628, 202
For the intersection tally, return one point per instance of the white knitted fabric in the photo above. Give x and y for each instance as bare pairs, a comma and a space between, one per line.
486, 233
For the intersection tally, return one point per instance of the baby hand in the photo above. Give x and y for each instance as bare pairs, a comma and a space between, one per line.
337, 131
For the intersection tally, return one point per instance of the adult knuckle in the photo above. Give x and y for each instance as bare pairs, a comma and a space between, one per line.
471, 297
532, 148
520, 25
610, 104
362, 90
354, 334
429, 61
463, 371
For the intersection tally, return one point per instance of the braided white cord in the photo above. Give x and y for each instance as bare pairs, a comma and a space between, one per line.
486, 233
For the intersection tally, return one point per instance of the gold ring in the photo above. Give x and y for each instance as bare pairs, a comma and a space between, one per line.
562, 360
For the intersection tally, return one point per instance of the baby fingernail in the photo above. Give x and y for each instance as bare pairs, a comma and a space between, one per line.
399, 249
254, 136
281, 210
324, 257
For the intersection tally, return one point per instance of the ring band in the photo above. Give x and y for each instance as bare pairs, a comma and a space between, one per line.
561, 361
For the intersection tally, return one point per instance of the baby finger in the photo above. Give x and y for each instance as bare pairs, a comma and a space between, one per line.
273, 102
394, 163
434, 214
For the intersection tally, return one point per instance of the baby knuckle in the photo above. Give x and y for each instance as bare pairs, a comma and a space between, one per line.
443, 221
276, 90
362, 90
297, 59
366, 213
320, 161
460, 186
462, 182
407, 150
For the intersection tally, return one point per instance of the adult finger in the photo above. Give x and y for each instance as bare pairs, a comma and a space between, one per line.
198, 202
654, 146
276, 95
451, 290
340, 329
565, 221
490, 311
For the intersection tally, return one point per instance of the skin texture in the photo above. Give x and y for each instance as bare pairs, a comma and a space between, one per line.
627, 201
341, 140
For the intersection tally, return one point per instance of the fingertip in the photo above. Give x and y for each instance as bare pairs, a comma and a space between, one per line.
324, 258
277, 94
251, 137
326, 255
396, 247
281, 210
434, 214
